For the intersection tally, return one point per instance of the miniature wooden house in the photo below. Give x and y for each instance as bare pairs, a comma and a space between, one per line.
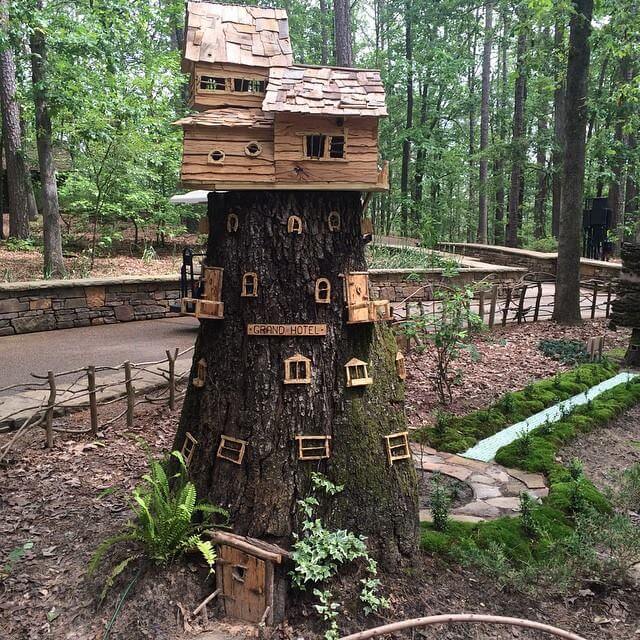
357, 373
265, 123
360, 307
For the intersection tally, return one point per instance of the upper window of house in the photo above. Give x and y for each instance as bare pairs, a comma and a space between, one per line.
318, 146
248, 86
211, 83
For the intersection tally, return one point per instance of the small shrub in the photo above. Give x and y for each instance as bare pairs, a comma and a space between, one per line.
440, 503
442, 422
524, 443
565, 351
508, 403
527, 521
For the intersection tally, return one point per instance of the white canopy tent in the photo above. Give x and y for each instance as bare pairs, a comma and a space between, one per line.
193, 197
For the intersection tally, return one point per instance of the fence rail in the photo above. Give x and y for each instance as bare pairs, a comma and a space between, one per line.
78, 389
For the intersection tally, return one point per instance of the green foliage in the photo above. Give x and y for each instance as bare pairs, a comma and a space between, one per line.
440, 503
565, 351
164, 525
544, 245
18, 244
461, 432
446, 332
318, 554
382, 257
13, 557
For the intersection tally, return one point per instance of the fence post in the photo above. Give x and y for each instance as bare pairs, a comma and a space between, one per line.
481, 305
93, 404
50, 405
130, 393
536, 312
594, 302
172, 378
492, 308
523, 295
608, 311
505, 313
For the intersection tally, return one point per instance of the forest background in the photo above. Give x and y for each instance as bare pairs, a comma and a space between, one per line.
475, 90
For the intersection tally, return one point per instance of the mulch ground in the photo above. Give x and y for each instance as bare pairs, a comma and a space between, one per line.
66, 501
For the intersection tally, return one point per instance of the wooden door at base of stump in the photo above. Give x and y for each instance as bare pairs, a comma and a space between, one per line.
243, 584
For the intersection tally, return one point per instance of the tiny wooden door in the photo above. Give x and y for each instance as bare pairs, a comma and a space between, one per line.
358, 297
243, 584
212, 283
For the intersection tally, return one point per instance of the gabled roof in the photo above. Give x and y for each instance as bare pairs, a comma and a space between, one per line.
229, 117
236, 34
325, 91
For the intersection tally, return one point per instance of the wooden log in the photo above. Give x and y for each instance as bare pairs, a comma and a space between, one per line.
50, 406
93, 403
205, 602
493, 305
130, 393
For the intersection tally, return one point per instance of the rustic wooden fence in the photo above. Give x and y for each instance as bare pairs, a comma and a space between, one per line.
78, 389
527, 300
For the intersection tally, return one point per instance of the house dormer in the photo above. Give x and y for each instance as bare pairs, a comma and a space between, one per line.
265, 123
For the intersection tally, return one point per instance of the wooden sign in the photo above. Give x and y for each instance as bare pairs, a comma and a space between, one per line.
308, 330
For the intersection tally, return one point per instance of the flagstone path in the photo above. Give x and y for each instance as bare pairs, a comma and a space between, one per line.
496, 489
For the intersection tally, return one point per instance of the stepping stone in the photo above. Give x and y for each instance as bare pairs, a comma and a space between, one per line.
540, 493
466, 462
512, 504
497, 473
425, 515
482, 479
427, 459
513, 488
455, 471
482, 491
480, 509
532, 480
422, 448
461, 517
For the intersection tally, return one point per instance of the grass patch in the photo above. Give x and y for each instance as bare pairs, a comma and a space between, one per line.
402, 258
459, 433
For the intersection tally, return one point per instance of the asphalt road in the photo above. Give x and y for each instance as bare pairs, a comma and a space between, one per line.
109, 345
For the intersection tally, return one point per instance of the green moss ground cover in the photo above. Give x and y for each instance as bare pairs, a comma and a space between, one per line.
555, 541
459, 433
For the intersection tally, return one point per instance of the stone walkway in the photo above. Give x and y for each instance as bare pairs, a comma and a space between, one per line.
496, 489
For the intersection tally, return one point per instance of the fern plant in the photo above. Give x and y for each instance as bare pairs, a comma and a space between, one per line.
163, 526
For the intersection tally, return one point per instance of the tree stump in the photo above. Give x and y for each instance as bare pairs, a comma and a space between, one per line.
244, 396
625, 309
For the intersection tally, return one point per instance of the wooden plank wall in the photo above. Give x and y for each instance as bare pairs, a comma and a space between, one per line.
360, 165
203, 100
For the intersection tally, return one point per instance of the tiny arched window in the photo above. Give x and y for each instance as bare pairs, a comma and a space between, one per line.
323, 291
232, 223
334, 221
253, 149
216, 156
249, 285
294, 224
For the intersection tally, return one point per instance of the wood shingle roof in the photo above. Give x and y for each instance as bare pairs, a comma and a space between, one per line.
229, 117
325, 91
252, 36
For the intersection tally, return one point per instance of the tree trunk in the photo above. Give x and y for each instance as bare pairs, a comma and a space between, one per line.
324, 33
558, 136
498, 165
53, 261
14, 158
539, 212
342, 29
483, 207
244, 396
516, 186
567, 296
406, 143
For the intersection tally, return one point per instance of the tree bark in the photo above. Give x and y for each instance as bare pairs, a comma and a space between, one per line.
342, 30
53, 261
558, 136
539, 205
244, 396
498, 165
483, 207
567, 296
516, 186
14, 158
324, 33
406, 142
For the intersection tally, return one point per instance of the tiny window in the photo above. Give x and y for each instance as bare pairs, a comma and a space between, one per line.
216, 156
336, 147
249, 285
397, 446
313, 447
201, 377
315, 146
188, 448
232, 223
253, 149
211, 83
231, 449
245, 85
294, 224
334, 221
323, 291
357, 373
297, 370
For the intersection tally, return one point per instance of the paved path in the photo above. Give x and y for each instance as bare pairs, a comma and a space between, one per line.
106, 345
496, 489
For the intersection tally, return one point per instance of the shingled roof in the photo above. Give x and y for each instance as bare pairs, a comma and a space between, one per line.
325, 90
236, 34
229, 117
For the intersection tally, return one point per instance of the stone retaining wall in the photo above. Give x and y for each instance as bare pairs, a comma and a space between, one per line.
26, 307
530, 260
